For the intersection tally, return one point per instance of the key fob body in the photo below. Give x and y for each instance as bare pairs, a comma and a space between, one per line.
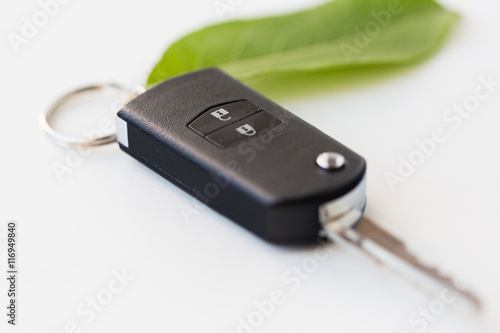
238, 152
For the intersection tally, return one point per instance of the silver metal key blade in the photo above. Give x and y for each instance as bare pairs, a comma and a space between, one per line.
349, 228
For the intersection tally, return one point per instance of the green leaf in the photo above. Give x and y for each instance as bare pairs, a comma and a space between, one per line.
338, 35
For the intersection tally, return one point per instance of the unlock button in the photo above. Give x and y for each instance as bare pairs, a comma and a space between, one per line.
251, 127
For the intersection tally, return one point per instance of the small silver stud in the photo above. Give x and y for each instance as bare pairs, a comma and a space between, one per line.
330, 161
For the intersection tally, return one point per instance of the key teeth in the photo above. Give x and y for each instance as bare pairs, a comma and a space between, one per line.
446, 280
369, 239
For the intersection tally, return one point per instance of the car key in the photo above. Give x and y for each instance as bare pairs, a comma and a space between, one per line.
262, 167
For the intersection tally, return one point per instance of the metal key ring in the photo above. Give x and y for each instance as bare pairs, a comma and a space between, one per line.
67, 141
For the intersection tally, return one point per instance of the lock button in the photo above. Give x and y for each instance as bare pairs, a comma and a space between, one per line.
254, 126
222, 116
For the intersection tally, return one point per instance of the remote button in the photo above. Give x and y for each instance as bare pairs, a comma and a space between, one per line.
252, 127
222, 116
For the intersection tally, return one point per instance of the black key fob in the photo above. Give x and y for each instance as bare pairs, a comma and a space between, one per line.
239, 153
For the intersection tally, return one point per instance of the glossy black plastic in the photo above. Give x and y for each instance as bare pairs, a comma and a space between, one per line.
268, 183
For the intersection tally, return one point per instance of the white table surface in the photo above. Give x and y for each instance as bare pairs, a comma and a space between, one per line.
112, 214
